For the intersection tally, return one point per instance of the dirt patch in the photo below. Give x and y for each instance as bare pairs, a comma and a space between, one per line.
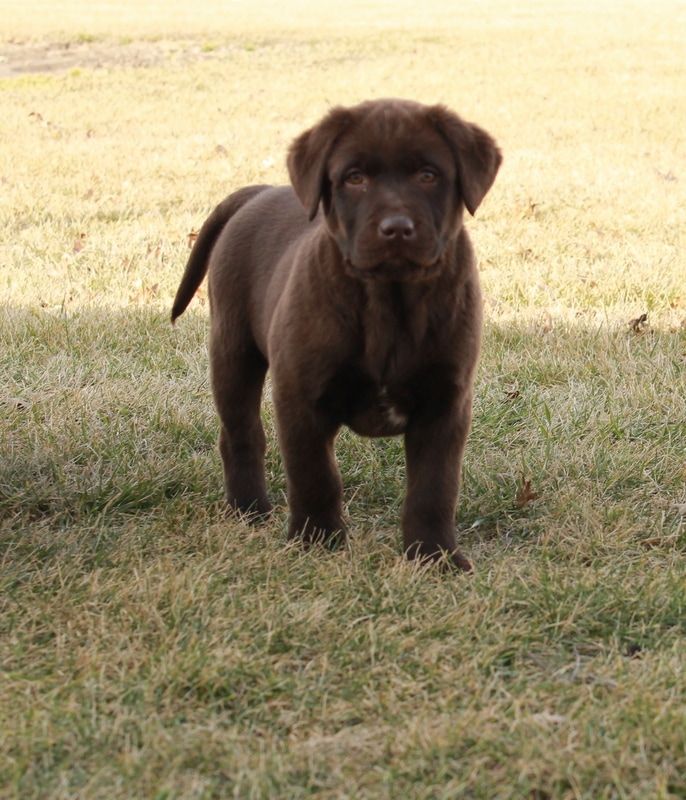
24, 58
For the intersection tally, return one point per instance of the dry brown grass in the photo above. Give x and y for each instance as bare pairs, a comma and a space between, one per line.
150, 648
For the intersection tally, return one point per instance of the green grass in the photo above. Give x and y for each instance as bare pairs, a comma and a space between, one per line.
151, 647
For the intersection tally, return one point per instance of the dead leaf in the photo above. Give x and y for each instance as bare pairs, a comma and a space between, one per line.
546, 718
142, 293
55, 129
667, 176
526, 494
651, 544
680, 508
634, 650
640, 324
18, 403
192, 236
529, 208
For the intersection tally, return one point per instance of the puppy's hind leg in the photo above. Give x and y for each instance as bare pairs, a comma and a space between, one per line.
237, 379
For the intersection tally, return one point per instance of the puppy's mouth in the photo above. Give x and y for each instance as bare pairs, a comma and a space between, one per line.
393, 269
418, 260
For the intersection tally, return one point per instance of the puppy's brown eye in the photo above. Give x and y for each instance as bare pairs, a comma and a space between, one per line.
428, 175
354, 178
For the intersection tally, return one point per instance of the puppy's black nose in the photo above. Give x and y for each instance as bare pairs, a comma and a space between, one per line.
397, 227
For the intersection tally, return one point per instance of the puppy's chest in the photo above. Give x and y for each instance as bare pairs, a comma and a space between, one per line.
384, 414
379, 387
367, 406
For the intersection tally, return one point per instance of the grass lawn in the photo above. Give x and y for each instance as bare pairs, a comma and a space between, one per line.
151, 648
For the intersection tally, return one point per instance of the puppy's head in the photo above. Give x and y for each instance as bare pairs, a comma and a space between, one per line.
393, 177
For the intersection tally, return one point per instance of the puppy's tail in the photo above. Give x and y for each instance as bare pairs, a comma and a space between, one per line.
198, 261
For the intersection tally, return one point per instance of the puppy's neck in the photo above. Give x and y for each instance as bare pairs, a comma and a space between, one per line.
395, 322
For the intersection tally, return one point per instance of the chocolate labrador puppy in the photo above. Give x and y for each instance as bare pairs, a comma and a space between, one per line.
367, 313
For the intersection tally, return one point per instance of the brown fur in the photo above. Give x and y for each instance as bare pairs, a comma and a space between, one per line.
368, 314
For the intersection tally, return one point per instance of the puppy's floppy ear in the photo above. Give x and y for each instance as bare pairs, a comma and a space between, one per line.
476, 154
308, 157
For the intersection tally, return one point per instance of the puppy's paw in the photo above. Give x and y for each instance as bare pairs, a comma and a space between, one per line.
445, 560
254, 511
331, 535
459, 561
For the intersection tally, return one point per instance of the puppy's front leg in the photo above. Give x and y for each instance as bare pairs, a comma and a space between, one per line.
434, 444
315, 489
